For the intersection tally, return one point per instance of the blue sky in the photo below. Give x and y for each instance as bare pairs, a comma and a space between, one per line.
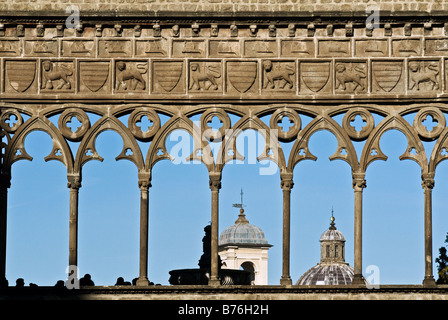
38, 206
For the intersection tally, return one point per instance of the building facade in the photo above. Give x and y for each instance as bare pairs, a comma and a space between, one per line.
244, 246
279, 58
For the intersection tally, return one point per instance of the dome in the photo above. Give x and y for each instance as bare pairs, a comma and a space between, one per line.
332, 268
332, 235
242, 233
328, 274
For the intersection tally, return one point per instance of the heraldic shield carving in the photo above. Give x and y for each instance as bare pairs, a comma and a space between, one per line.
20, 74
242, 74
94, 74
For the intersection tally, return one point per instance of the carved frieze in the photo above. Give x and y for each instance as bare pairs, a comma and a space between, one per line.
436, 47
224, 49
260, 48
388, 76
41, 48
297, 48
10, 48
189, 48
78, 48
168, 76
151, 48
20, 76
94, 76
406, 47
315, 77
242, 76
424, 75
334, 48
350, 77
205, 76
196, 58
114, 48
279, 75
57, 76
371, 48
131, 76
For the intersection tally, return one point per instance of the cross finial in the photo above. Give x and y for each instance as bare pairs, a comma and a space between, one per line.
332, 224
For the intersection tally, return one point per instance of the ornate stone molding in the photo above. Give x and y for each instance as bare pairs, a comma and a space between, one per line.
155, 61
359, 183
428, 181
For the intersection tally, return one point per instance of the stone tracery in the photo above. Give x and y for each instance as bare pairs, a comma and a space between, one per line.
244, 76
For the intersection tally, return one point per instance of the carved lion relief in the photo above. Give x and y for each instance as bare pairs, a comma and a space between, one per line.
131, 75
424, 75
205, 76
57, 75
279, 75
350, 77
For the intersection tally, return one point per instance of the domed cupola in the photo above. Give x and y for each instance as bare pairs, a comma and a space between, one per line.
244, 246
332, 268
242, 233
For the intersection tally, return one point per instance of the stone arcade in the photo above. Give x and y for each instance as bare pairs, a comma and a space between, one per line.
214, 58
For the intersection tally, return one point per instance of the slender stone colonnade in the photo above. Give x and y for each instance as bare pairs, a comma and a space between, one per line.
182, 68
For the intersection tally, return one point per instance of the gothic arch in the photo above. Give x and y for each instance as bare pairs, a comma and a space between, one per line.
108, 122
439, 148
273, 150
60, 151
157, 150
414, 150
300, 150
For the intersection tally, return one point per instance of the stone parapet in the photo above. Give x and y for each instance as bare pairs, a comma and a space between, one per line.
235, 292
219, 7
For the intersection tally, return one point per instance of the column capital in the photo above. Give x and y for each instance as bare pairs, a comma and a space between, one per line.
144, 184
74, 181
428, 181
144, 180
359, 181
215, 181
286, 182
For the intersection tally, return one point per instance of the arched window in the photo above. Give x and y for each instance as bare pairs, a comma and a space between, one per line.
249, 266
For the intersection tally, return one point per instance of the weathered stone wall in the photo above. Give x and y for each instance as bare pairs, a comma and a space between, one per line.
220, 6
228, 293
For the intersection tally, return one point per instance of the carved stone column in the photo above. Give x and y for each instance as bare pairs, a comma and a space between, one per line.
215, 185
428, 185
286, 185
74, 183
5, 183
144, 184
359, 183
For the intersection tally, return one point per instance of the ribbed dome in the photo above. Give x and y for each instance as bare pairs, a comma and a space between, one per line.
332, 268
332, 235
242, 232
328, 274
